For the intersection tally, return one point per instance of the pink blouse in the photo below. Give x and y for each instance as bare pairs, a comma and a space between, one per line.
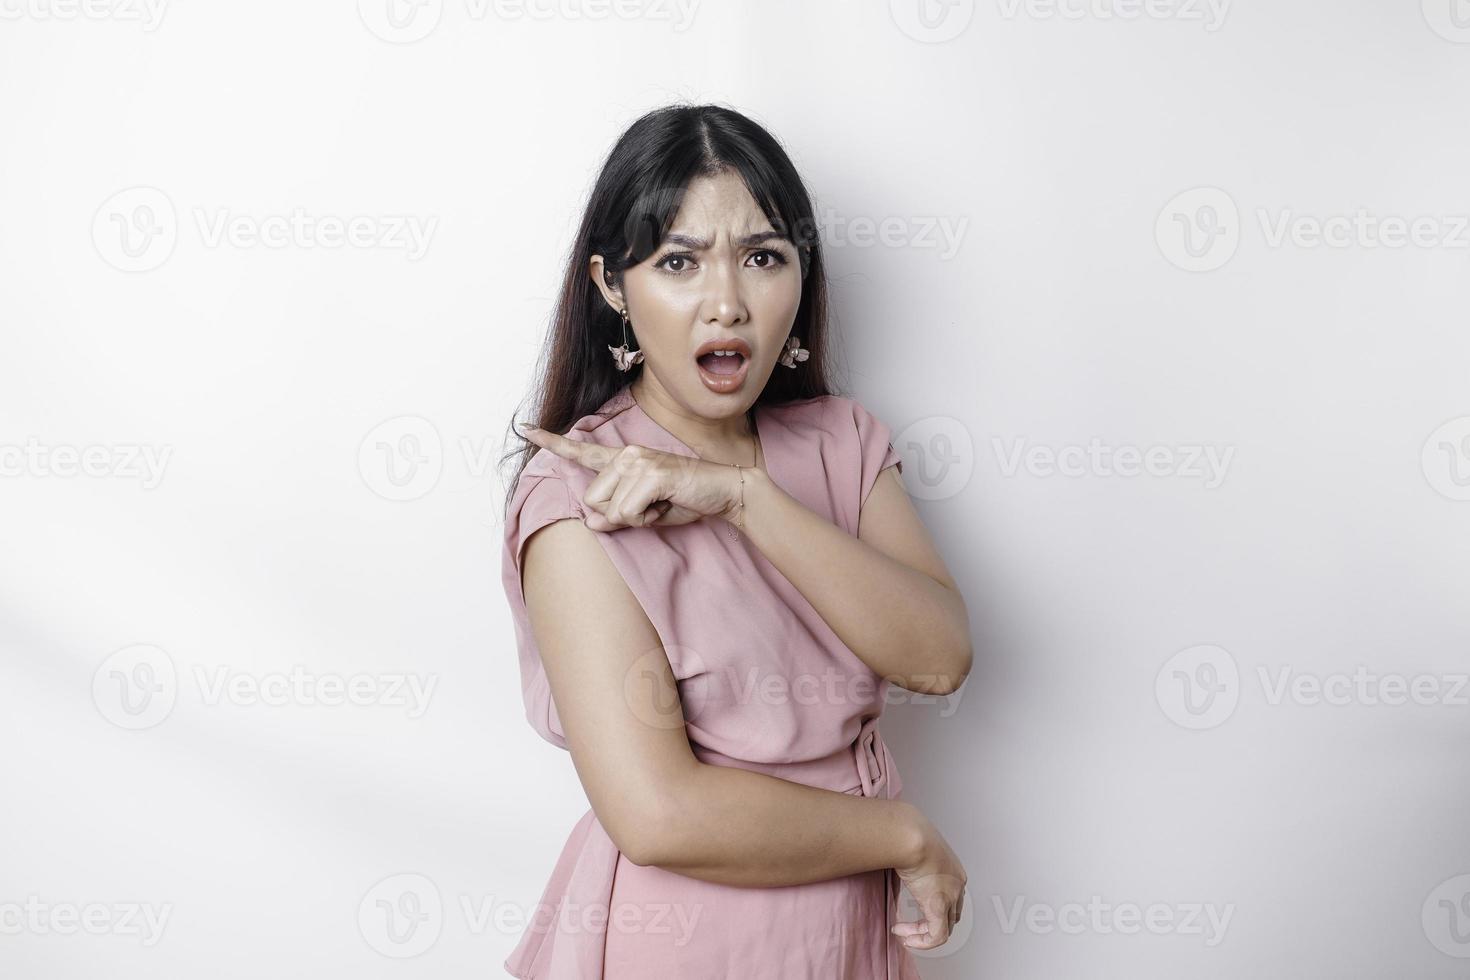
765, 684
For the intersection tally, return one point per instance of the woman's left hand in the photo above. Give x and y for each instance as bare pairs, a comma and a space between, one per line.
637, 486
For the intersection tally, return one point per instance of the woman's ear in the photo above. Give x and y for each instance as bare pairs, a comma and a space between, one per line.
608, 282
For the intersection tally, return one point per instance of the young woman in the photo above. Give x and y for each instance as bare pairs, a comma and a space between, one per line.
715, 576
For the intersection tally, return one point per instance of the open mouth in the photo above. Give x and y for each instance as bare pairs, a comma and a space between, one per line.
723, 364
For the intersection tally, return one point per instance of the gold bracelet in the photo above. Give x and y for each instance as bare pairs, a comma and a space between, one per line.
735, 534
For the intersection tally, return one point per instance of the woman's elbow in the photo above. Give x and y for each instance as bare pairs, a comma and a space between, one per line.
645, 832
960, 671
953, 670
639, 852
949, 654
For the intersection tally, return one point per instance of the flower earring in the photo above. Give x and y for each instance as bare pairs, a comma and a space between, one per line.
622, 357
794, 352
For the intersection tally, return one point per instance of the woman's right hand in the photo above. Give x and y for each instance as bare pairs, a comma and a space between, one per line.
937, 883
637, 486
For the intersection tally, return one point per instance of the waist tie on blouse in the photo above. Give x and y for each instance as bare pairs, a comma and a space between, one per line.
873, 761
875, 768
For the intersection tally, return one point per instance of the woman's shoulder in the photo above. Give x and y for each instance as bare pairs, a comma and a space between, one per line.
832, 449
846, 428
840, 415
610, 425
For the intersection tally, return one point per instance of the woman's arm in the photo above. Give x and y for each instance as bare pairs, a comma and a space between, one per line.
619, 706
886, 593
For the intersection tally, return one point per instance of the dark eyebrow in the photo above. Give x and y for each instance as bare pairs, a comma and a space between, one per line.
688, 241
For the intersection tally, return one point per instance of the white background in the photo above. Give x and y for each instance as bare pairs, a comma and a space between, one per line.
1093, 756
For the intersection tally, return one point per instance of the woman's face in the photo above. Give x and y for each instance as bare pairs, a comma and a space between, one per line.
722, 274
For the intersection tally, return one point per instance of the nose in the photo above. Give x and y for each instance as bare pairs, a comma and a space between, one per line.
724, 301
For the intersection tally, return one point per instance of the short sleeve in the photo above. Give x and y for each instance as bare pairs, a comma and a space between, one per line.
544, 500
875, 447
541, 497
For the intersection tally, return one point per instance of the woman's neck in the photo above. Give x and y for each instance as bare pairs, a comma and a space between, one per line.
730, 440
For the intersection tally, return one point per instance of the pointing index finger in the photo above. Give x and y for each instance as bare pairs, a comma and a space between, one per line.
588, 454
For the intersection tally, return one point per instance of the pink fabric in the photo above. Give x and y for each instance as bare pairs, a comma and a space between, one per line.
766, 685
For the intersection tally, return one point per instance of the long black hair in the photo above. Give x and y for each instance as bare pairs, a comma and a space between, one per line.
631, 208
